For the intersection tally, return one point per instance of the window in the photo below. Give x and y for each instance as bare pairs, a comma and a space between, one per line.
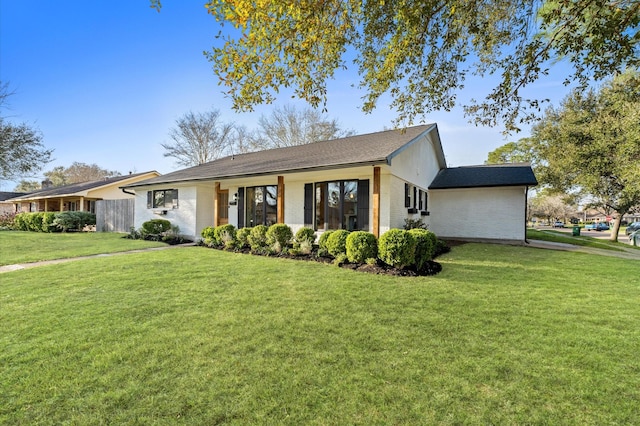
261, 205
162, 198
73, 206
336, 206
91, 206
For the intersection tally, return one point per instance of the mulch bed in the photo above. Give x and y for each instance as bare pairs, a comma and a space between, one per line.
380, 268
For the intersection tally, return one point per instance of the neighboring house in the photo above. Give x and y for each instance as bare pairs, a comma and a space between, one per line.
367, 182
77, 196
8, 206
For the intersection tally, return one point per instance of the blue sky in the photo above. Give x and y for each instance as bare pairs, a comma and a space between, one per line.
105, 82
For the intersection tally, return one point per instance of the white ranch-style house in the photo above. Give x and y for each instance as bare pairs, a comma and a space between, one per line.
369, 182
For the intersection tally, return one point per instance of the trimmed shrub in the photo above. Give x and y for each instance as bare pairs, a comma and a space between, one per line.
361, 245
305, 234
258, 238
322, 241
47, 222
20, 222
156, 226
66, 221
208, 235
242, 237
397, 248
278, 236
34, 221
337, 242
425, 246
225, 235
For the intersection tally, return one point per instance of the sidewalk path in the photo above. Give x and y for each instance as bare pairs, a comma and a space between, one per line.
627, 253
17, 267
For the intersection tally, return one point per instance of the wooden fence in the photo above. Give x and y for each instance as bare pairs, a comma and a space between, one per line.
115, 215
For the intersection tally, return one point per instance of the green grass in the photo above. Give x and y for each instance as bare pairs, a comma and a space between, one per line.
582, 240
24, 247
504, 335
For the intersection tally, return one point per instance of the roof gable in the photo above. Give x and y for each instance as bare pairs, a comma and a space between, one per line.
372, 148
484, 176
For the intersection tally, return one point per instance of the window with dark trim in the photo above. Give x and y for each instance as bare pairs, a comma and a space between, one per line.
338, 205
261, 205
162, 198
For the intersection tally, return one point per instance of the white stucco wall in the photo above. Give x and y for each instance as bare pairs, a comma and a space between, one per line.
186, 215
478, 213
417, 165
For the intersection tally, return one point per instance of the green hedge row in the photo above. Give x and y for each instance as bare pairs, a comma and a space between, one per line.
397, 247
53, 221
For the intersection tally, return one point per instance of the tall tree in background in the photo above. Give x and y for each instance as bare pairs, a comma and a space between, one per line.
22, 152
288, 126
512, 152
590, 145
420, 52
76, 173
199, 138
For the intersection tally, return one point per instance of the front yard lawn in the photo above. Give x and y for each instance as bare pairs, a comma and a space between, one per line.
24, 247
503, 335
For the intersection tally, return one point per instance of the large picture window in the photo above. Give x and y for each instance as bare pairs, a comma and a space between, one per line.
162, 198
261, 205
336, 205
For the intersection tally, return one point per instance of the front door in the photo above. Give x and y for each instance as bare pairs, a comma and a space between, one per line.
222, 207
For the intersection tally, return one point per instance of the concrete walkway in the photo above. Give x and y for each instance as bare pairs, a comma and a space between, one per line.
17, 267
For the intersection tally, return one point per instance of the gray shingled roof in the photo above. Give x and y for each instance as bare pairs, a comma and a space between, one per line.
484, 176
8, 195
75, 188
373, 148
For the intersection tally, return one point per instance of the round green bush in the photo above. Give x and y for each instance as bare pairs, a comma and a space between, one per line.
47, 222
258, 237
278, 236
361, 245
242, 237
322, 241
397, 248
156, 226
224, 233
425, 246
208, 235
305, 234
337, 242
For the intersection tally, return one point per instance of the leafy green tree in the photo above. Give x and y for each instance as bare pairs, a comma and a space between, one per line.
22, 152
590, 145
512, 152
419, 52
27, 186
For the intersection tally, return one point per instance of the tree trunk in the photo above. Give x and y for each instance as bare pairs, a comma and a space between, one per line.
616, 227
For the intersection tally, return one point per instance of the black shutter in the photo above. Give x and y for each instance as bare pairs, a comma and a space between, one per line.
415, 197
421, 194
149, 199
240, 208
407, 195
426, 201
363, 205
174, 199
308, 205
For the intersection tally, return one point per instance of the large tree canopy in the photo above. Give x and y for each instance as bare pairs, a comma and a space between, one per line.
590, 145
419, 52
